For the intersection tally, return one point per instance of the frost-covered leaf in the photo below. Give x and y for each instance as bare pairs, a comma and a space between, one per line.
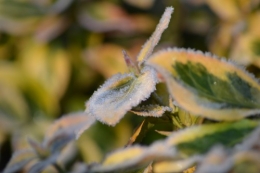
207, 86
72, 126
119, 94
134, 157
199, 139
154, 39
151, 110
19, 160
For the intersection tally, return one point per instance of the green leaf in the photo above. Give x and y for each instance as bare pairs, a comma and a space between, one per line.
199, 139
186, 119
151, 110
207, 86
119, 94
154, 39
19, 160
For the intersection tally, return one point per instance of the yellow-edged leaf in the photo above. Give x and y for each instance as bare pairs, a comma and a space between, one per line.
207, 86
199, 139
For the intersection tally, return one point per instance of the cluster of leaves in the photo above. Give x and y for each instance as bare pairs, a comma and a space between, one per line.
47, 66
209, 105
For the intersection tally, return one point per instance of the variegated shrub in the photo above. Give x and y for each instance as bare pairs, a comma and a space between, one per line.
211, 105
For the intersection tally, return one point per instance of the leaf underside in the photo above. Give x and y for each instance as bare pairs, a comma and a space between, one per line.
207, 86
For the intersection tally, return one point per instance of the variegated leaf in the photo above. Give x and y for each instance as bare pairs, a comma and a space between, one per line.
19, 160
153, 41
207, 86
199, 139
151, 110
119, 94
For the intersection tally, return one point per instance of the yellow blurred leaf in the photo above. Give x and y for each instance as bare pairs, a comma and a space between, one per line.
144, 4
106, 59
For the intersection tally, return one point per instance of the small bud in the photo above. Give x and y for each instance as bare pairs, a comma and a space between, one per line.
130, 64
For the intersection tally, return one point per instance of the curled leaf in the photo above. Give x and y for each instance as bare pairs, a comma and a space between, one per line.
119, 94
151, 110
207, 86
154, 39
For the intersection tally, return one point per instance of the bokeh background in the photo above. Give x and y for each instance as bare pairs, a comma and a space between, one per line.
55, 53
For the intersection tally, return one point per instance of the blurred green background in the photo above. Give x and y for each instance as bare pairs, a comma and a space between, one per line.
55, 53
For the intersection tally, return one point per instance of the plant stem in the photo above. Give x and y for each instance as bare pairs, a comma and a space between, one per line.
176, 122
59, 168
